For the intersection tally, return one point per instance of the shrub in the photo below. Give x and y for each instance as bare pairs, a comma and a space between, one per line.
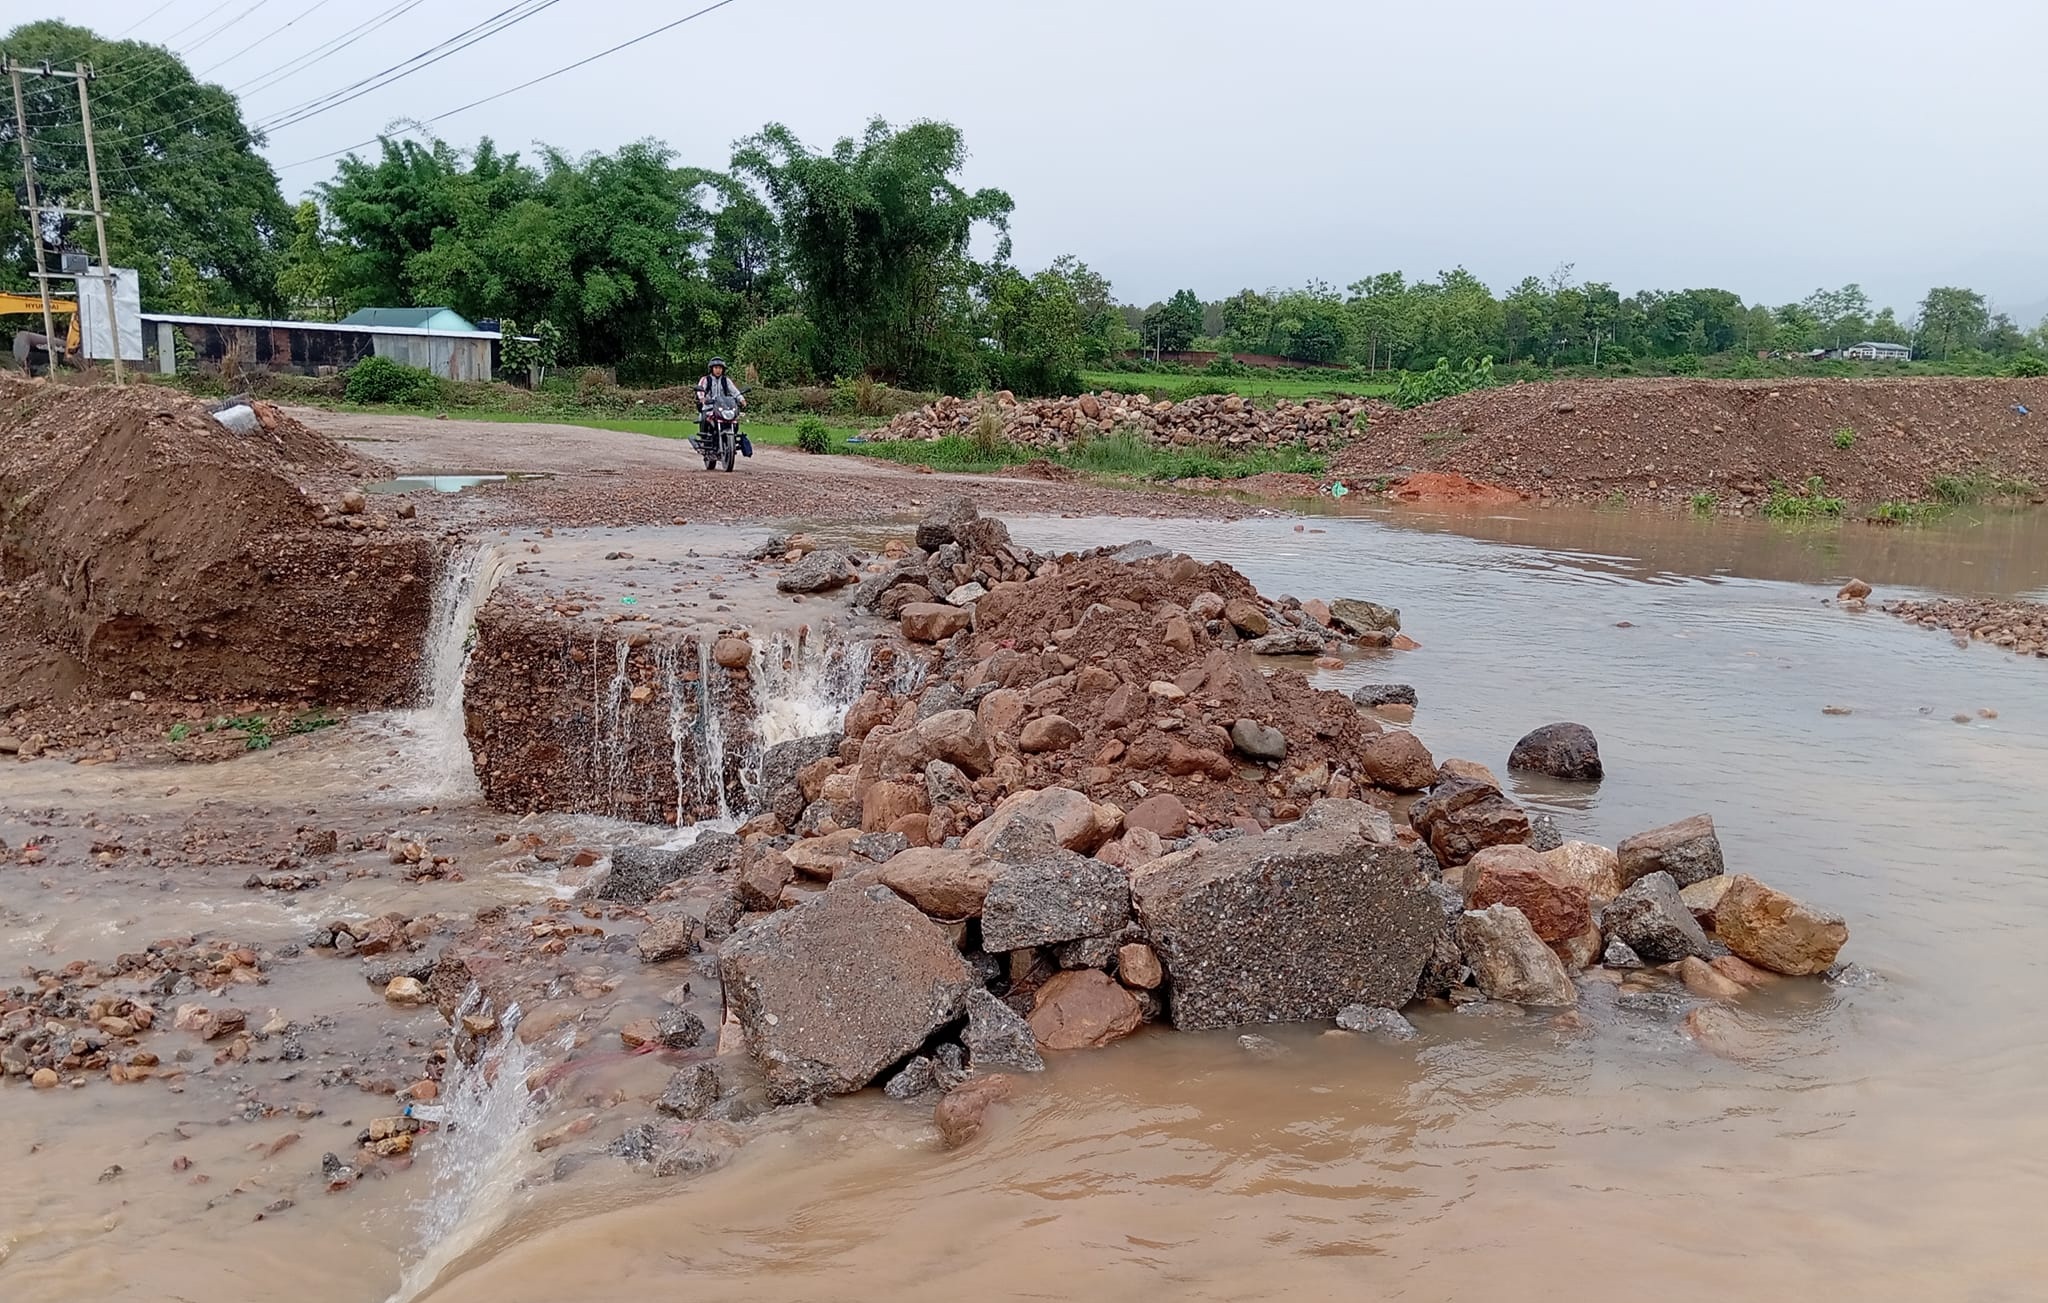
811, 435
1790, 504
1704, 502
380, 380
1845, 438
1442, 381
1685, 364
2027, 364
1224, 364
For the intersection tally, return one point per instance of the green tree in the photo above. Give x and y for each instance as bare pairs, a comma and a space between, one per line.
309, 273
879, 236
1951, 318
1171, 327
179, 173
1248, 322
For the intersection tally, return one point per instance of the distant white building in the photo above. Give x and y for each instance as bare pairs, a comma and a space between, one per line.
1871, 351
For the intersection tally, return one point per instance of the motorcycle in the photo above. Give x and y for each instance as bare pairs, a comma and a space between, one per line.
723, 441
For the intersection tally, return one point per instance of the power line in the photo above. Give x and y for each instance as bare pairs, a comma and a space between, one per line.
498, 22
513, 90
144, 20
166, 42
309, 58
275, 31
186, 53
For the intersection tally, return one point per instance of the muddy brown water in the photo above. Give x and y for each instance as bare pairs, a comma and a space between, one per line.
1876, 1138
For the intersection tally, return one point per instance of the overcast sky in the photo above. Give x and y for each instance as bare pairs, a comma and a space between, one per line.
1761, 146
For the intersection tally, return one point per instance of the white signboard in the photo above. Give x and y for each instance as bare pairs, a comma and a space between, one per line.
94, 337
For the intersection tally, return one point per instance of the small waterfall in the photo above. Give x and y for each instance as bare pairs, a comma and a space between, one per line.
439, 753
710, 735
611, 736
481, 1153
696, 734
804, 683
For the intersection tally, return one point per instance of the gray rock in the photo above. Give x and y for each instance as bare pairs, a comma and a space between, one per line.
880, 847
1373, 1021
1287, 642
1384, 694
386, 969
1058, 896
940, 525
1651, 919
1022, 839
679, 1029
1544, 834
1086, 952
998, 1037
819, 571
638, 873
1688, 850
938, 699
1445, 971
966, 595
1567, 751
1140, 549
982, 536
1355, 616
780, 763
945, 784
1292, 924
1260, 1047
1618, 955
911, 573
1510, 962
1258, 741
829, 993
692, 1092
949, 1065
915, 1079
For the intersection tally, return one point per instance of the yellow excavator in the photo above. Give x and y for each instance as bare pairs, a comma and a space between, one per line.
31, 305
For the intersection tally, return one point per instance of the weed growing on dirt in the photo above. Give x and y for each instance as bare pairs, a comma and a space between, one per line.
1845, 438
1905, 513
259, 730
1789, 504
1969, 488
987, 434
1704, 502
811, 435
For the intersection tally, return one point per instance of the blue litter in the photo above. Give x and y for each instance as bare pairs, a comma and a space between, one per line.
1338, 489
855, 438
2021, 408
629, 601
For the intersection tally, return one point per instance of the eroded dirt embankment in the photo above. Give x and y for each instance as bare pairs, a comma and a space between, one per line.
147, 548
1870, 441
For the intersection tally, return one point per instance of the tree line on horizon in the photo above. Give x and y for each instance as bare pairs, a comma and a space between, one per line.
867, 258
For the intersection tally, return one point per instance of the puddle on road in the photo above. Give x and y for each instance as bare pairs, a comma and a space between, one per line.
453, 483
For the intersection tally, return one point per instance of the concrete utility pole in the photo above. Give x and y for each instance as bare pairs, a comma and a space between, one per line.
99, 219
35, 212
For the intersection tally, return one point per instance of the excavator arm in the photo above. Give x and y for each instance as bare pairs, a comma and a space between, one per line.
32, 305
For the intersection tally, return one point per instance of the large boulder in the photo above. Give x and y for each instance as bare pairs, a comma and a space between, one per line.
1567, 751
1074, 820
1687, 850
943, 883
1082, 1009
1510, 962
1651, 919
1775, 931
942, 522
831, 992
956, 737
1060, 897
638, 873
818, 572
1256, 741
1246, 617
1464, 814
781, 763
1291, 924
1554, 905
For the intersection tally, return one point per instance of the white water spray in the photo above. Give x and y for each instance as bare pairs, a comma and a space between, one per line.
804, 683
611, 738
440, 750
481, 1153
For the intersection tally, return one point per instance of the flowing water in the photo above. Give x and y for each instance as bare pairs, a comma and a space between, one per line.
1877, 1138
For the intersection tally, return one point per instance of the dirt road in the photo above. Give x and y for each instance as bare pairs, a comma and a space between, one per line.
613, 477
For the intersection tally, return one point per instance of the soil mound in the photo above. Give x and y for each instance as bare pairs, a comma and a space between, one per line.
159, 550
1455, 490
1868, 440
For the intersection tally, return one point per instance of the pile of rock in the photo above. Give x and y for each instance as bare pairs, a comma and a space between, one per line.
2018, 626
1226, 420
1097, 812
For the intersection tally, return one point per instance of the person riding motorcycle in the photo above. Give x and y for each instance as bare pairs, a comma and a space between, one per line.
713, 386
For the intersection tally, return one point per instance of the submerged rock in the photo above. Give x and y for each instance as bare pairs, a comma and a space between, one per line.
1384, 694
818, 572
692, 1092
1555, 905
832, 991
1082, 1009
1510, 962
1567, 751
1386, 1024
960, 1115
1292, 924
1651, 919
1355, 616
638, 873
1687, 850
1398, 760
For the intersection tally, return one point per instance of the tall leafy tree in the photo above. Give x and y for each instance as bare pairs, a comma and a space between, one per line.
879, 234
1952, 318
191, 204
1173, 325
